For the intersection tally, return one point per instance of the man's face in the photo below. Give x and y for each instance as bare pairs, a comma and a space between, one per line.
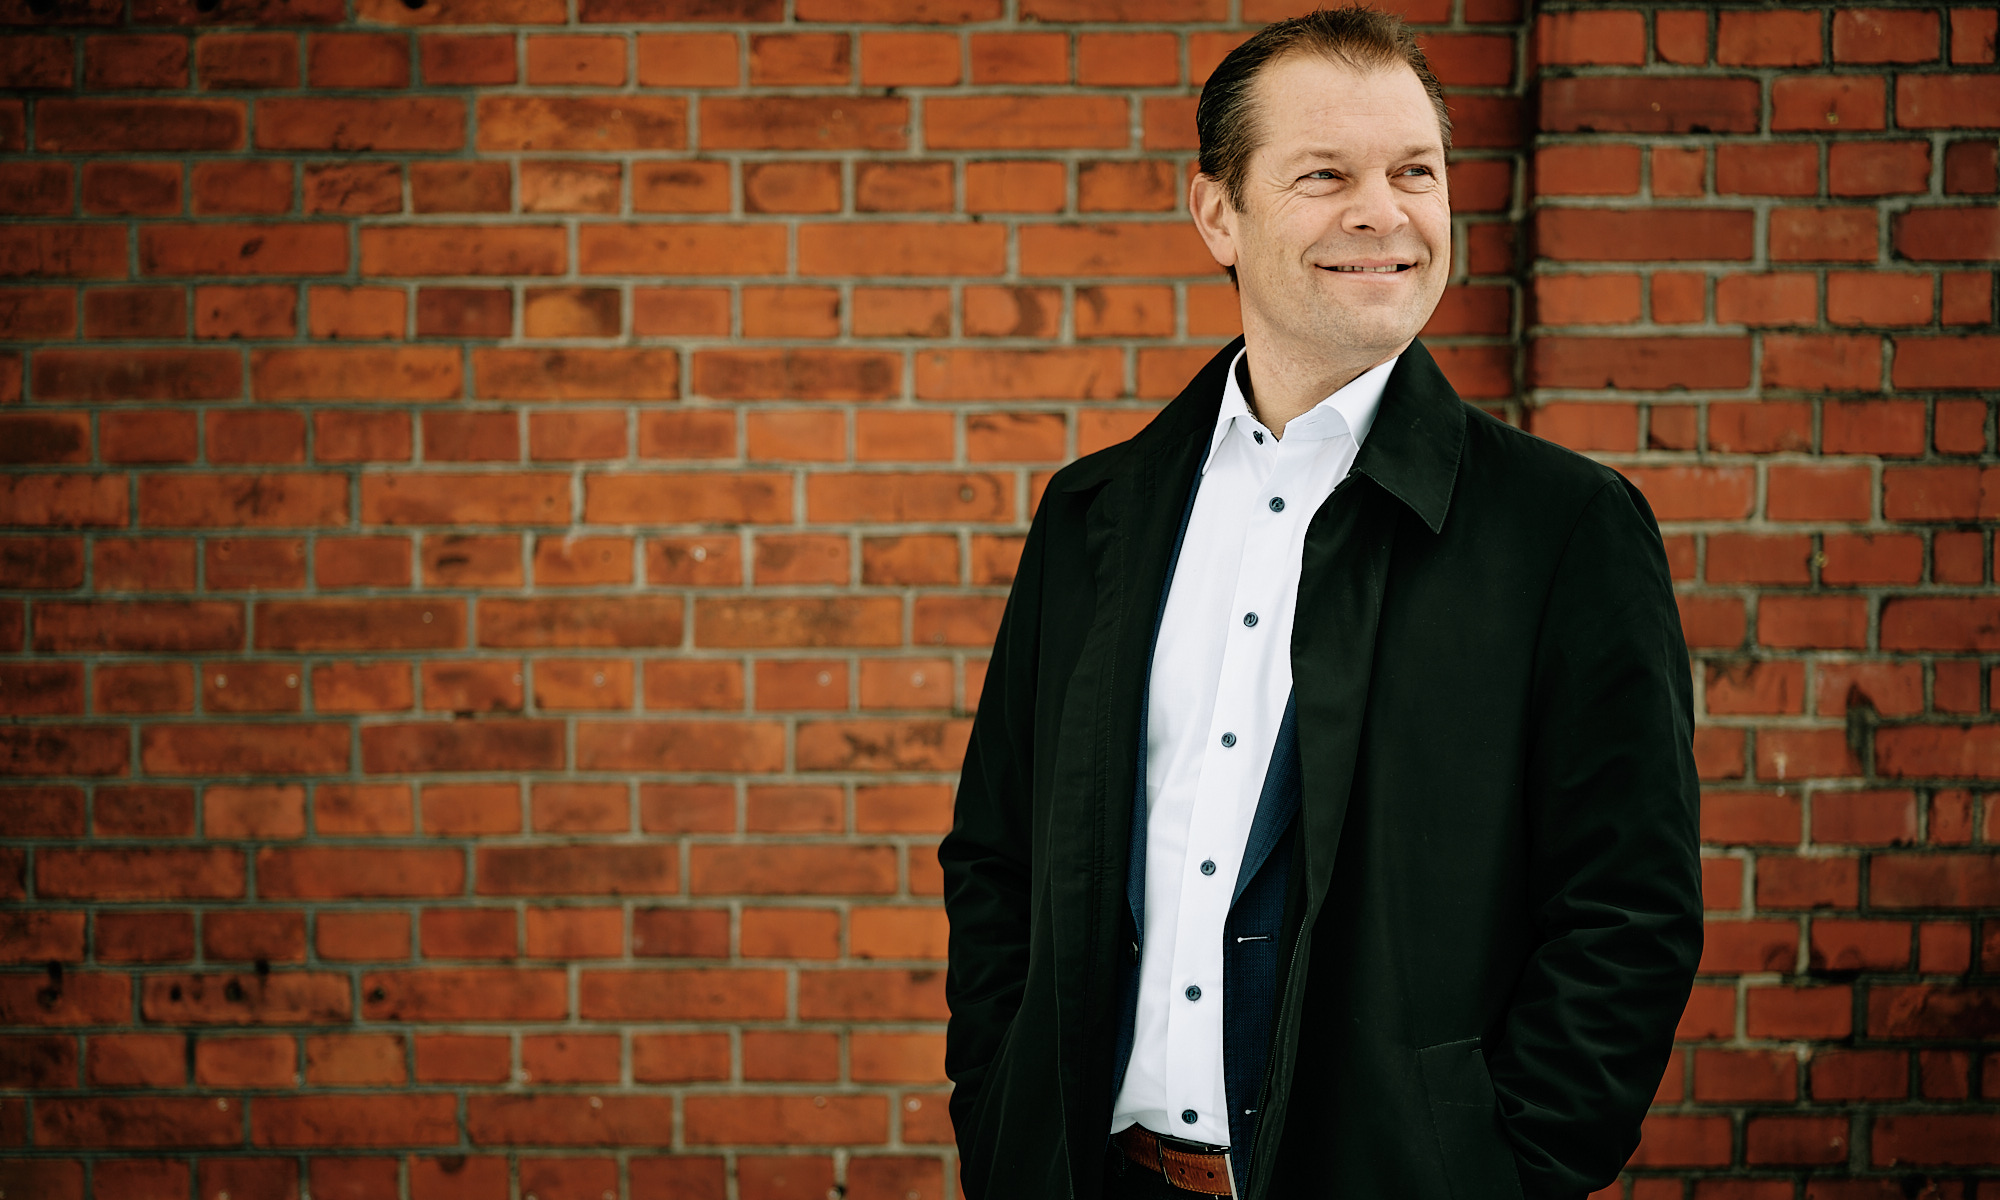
1343, 242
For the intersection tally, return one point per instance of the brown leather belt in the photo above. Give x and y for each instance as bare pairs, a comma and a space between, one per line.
1189, 1170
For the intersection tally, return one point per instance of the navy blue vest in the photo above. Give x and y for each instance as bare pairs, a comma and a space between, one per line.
1250, 963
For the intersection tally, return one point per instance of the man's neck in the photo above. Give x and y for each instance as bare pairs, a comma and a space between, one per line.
1288, 385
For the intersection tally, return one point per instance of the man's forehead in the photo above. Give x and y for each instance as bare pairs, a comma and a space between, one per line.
1304, 97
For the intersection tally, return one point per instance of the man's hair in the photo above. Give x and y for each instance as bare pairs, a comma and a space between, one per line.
1358, 38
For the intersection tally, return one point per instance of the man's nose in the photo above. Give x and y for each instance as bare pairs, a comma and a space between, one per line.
1374, 208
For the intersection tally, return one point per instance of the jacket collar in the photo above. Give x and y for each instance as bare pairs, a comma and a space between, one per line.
1412, 448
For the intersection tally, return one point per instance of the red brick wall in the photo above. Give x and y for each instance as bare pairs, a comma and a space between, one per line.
505, 512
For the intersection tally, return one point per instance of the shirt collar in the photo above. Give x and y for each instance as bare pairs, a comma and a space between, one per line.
1351, 410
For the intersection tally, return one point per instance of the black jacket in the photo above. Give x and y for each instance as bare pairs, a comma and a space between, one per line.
1495, 912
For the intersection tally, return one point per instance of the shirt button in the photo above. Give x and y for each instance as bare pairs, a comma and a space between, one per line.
1208, 866
1249, 618
1228, 739
1193, 992
1189, 1116
1259, 435
1277, 504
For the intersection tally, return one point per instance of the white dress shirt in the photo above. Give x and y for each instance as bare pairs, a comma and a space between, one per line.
1222, 671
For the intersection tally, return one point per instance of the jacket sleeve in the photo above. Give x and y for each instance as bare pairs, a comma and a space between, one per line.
1614, 861
985, 857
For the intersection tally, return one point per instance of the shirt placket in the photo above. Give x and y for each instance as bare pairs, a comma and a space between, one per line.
1242, 729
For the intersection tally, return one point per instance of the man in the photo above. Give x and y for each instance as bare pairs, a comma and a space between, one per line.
1328, 823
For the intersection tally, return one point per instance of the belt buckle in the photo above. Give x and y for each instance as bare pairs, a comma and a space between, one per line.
1183, 1145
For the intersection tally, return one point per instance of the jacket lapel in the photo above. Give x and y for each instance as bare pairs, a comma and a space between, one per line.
1409, 462
1407, 466
1129, 534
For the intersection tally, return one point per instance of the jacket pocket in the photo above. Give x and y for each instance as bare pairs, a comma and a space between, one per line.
1465, 1119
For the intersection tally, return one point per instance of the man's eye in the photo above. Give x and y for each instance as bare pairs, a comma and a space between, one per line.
1416, 170
1322, 174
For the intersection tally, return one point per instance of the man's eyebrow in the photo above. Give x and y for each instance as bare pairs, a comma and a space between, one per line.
1415, 151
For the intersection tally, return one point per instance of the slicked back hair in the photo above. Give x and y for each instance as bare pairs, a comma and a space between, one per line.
1361, 39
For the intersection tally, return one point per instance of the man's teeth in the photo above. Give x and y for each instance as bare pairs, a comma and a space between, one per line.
1376, 270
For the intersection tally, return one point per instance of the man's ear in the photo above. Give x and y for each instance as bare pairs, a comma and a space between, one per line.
1214, 218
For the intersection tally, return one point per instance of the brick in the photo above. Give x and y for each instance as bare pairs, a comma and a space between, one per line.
785, 1120
466, 59
96, 126
278, 998
261, 813
1781, 38
1687, 104
314, 749
566, 1120
461, 746
563, 187
576, 61
63, 251
1596, 38
1027, 122
1766, 169
116, 63
464, 312
471, 559
1878, 298
393, 124
1881, 35
578, 870
357, 60
805, 123
135, 313
464, 995
590, 123
1839, 102
450, 187
898, 11
808, 58
462, 12
1930, 1011
1641, 235
909, 60
1822, 363
754, 747
681, 249
31, 61
1968, 297
295, 249
688, 60
351, 1121
569, 933
143, 937
1947, 101
43, 937
652, 497
356, 188
1878, 168
903, 187
85, 998
247, 60
166, 1122
1947, 234
797, 374
1587, 169
434, 250
114, 189
1945, 1139
1965, 361
1933, 881
1973, 35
